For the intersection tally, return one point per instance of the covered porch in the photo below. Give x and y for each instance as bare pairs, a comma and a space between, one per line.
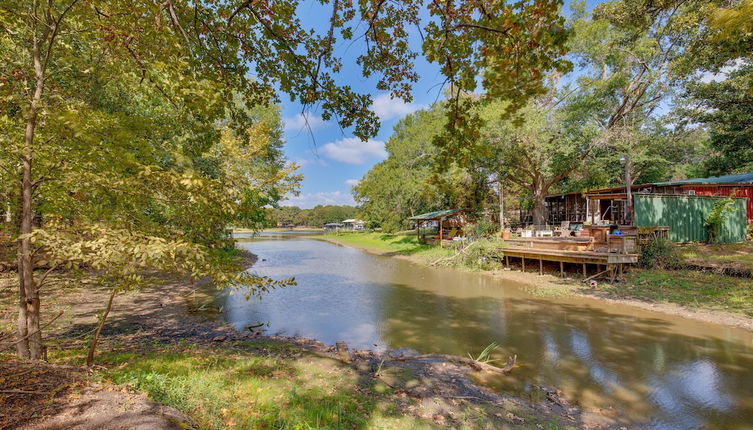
449, 225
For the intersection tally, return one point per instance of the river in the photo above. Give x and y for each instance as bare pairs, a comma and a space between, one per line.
662, 371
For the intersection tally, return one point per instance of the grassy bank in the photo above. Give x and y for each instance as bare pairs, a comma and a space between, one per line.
688, 288
734, 256
260, 385
252, 385
405, 244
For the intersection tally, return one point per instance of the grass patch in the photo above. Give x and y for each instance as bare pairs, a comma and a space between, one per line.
219, 390
270, 388
385, 243
723, 254
553, 289
279, 386
688, 288
485, 254
263, 385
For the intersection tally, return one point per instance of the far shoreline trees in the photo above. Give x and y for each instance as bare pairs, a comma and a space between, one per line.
315, 217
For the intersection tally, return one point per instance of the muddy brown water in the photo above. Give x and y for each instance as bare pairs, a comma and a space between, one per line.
661, 371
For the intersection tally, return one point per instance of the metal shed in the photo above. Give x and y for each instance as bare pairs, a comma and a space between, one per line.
739, 185
685, 216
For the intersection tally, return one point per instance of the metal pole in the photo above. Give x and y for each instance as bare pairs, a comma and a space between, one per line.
440, 233
501, 195
628, 191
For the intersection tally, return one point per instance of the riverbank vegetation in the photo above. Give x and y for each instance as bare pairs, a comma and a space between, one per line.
400, 243
693, 289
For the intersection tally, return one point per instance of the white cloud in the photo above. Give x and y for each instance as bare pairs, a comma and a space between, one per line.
298, 122
309, 200
724, 72
388, 108
352, 150
352, 182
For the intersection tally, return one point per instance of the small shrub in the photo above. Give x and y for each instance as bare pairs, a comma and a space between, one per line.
660, 254
714, 222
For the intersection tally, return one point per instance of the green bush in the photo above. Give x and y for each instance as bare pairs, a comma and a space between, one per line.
660, 254
714, 222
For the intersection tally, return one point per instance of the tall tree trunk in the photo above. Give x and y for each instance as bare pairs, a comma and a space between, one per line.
25, 260
539, 201
26, 263
22, 346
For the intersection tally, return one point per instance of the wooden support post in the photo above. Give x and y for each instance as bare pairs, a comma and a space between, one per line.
523, 261
562, 269
584, 270
507, 261
440, 233
541, 267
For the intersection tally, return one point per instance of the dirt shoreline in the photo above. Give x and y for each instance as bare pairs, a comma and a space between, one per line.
576, 287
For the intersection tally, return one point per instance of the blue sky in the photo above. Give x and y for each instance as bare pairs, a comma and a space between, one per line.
331, 158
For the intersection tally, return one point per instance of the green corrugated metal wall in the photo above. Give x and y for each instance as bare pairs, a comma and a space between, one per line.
685, 216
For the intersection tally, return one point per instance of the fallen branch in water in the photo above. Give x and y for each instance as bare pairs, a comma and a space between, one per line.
474, 364
452, 257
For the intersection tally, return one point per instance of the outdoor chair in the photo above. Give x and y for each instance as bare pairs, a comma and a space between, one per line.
563, 230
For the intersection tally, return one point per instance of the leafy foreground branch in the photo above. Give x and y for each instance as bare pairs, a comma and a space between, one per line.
121, 260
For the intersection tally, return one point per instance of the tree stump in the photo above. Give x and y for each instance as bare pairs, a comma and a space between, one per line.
342, 351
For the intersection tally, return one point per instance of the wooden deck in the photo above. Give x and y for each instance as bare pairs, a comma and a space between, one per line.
612, 262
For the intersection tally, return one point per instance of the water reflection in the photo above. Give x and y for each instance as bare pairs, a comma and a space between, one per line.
665, 372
